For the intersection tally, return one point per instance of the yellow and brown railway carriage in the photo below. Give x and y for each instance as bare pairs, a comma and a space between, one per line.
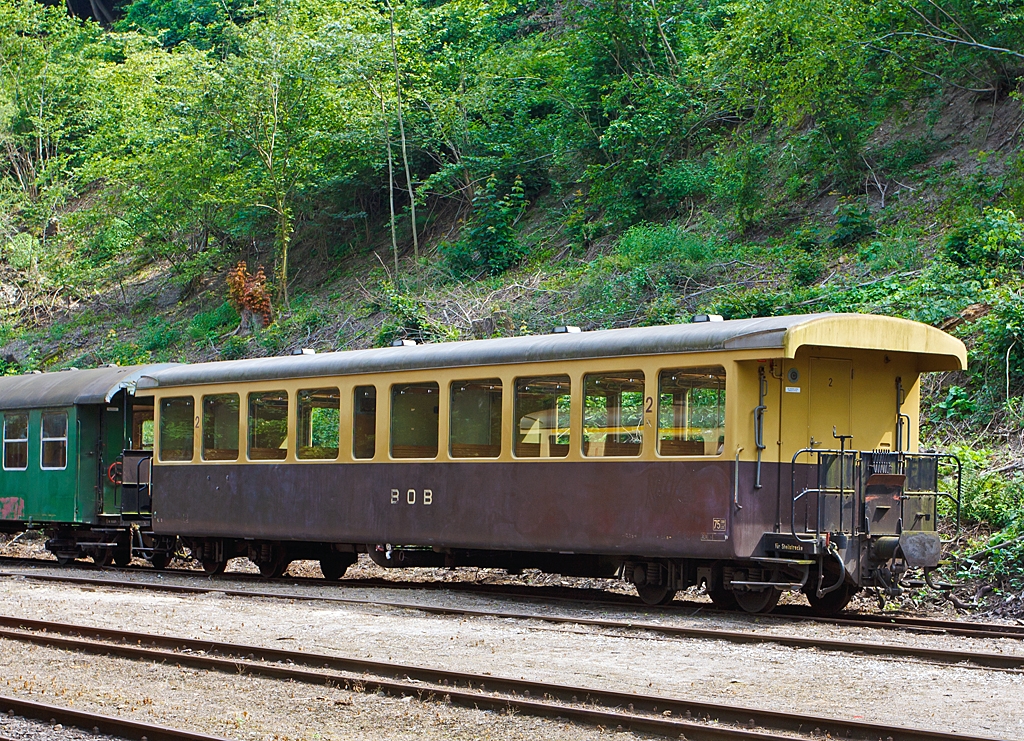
752, 455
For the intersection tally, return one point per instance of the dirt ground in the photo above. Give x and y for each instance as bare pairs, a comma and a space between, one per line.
958, 698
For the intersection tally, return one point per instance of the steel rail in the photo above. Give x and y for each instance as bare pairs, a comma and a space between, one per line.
108, 724
888, 622
644, 713
987, 659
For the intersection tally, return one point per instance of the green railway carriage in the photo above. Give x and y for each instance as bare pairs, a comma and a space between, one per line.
63, 437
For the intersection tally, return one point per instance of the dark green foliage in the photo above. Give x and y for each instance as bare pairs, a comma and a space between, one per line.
958, 405
488, 242
853, 222
205, 24
992, 246
807, 270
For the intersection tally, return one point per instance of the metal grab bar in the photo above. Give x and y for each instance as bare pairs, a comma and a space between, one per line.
759, 411
821, 573
841, 455
148, 487
736, 482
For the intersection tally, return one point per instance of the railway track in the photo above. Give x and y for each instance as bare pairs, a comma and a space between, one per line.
592, 596
990, 660
97, 723
664, 716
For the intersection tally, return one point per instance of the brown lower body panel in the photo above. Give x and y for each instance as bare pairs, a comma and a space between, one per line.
643, 508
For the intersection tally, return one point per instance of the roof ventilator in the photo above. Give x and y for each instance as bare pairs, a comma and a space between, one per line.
566, 329
698, 318
303, 351
404, 343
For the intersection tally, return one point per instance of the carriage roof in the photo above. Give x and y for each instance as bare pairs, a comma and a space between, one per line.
68, 387
781, 336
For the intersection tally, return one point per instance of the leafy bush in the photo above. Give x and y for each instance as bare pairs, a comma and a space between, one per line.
807, 270
993, 245
854, 222
488, 242
209, 325
957, 405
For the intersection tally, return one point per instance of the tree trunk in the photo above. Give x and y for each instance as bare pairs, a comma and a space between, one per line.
284, 236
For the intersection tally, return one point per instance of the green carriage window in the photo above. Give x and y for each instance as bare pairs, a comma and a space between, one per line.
15, 442
177, 428
319, 424
476, 419
613, 414
542, 417
220, 427
691, 411
54, 438
268, 426
364, 422
414, 418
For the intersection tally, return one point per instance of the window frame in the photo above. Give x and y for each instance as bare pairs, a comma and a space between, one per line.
25, 440
642, 384
249, 431
376, 422
723, 392
574, 388
43, 439
500, 382
300, 431
436, 390
238, 428
158, 442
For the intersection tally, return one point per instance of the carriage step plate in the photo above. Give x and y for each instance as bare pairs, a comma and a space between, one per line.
784, 586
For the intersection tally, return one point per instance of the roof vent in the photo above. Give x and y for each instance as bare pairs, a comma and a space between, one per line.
112, 365
698, 318
403, 343
35, 373
567, 329
303, 351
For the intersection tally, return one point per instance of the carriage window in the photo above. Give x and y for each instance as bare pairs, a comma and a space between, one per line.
142, 428
613, 414
319, 423
268, 426
414, 416
476, 419
691, 411
55, 440
15, 442
177, 428
542, 417
220, 427
364, 422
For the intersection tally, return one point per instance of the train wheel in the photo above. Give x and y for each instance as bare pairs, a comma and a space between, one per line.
655, 594
755, 602
122, 556
212, 567
274, 569
160, 560
335, 565
833, 602
723, 599
103, 557
65, 559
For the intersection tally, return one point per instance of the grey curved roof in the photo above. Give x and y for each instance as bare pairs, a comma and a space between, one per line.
68, 387
781, 333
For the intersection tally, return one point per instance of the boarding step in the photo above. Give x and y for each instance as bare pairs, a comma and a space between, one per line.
757, 585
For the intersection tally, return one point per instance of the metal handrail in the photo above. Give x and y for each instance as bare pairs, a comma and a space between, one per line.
148, 485
841, 454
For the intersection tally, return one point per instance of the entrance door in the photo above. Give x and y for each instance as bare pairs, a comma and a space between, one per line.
829, 397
